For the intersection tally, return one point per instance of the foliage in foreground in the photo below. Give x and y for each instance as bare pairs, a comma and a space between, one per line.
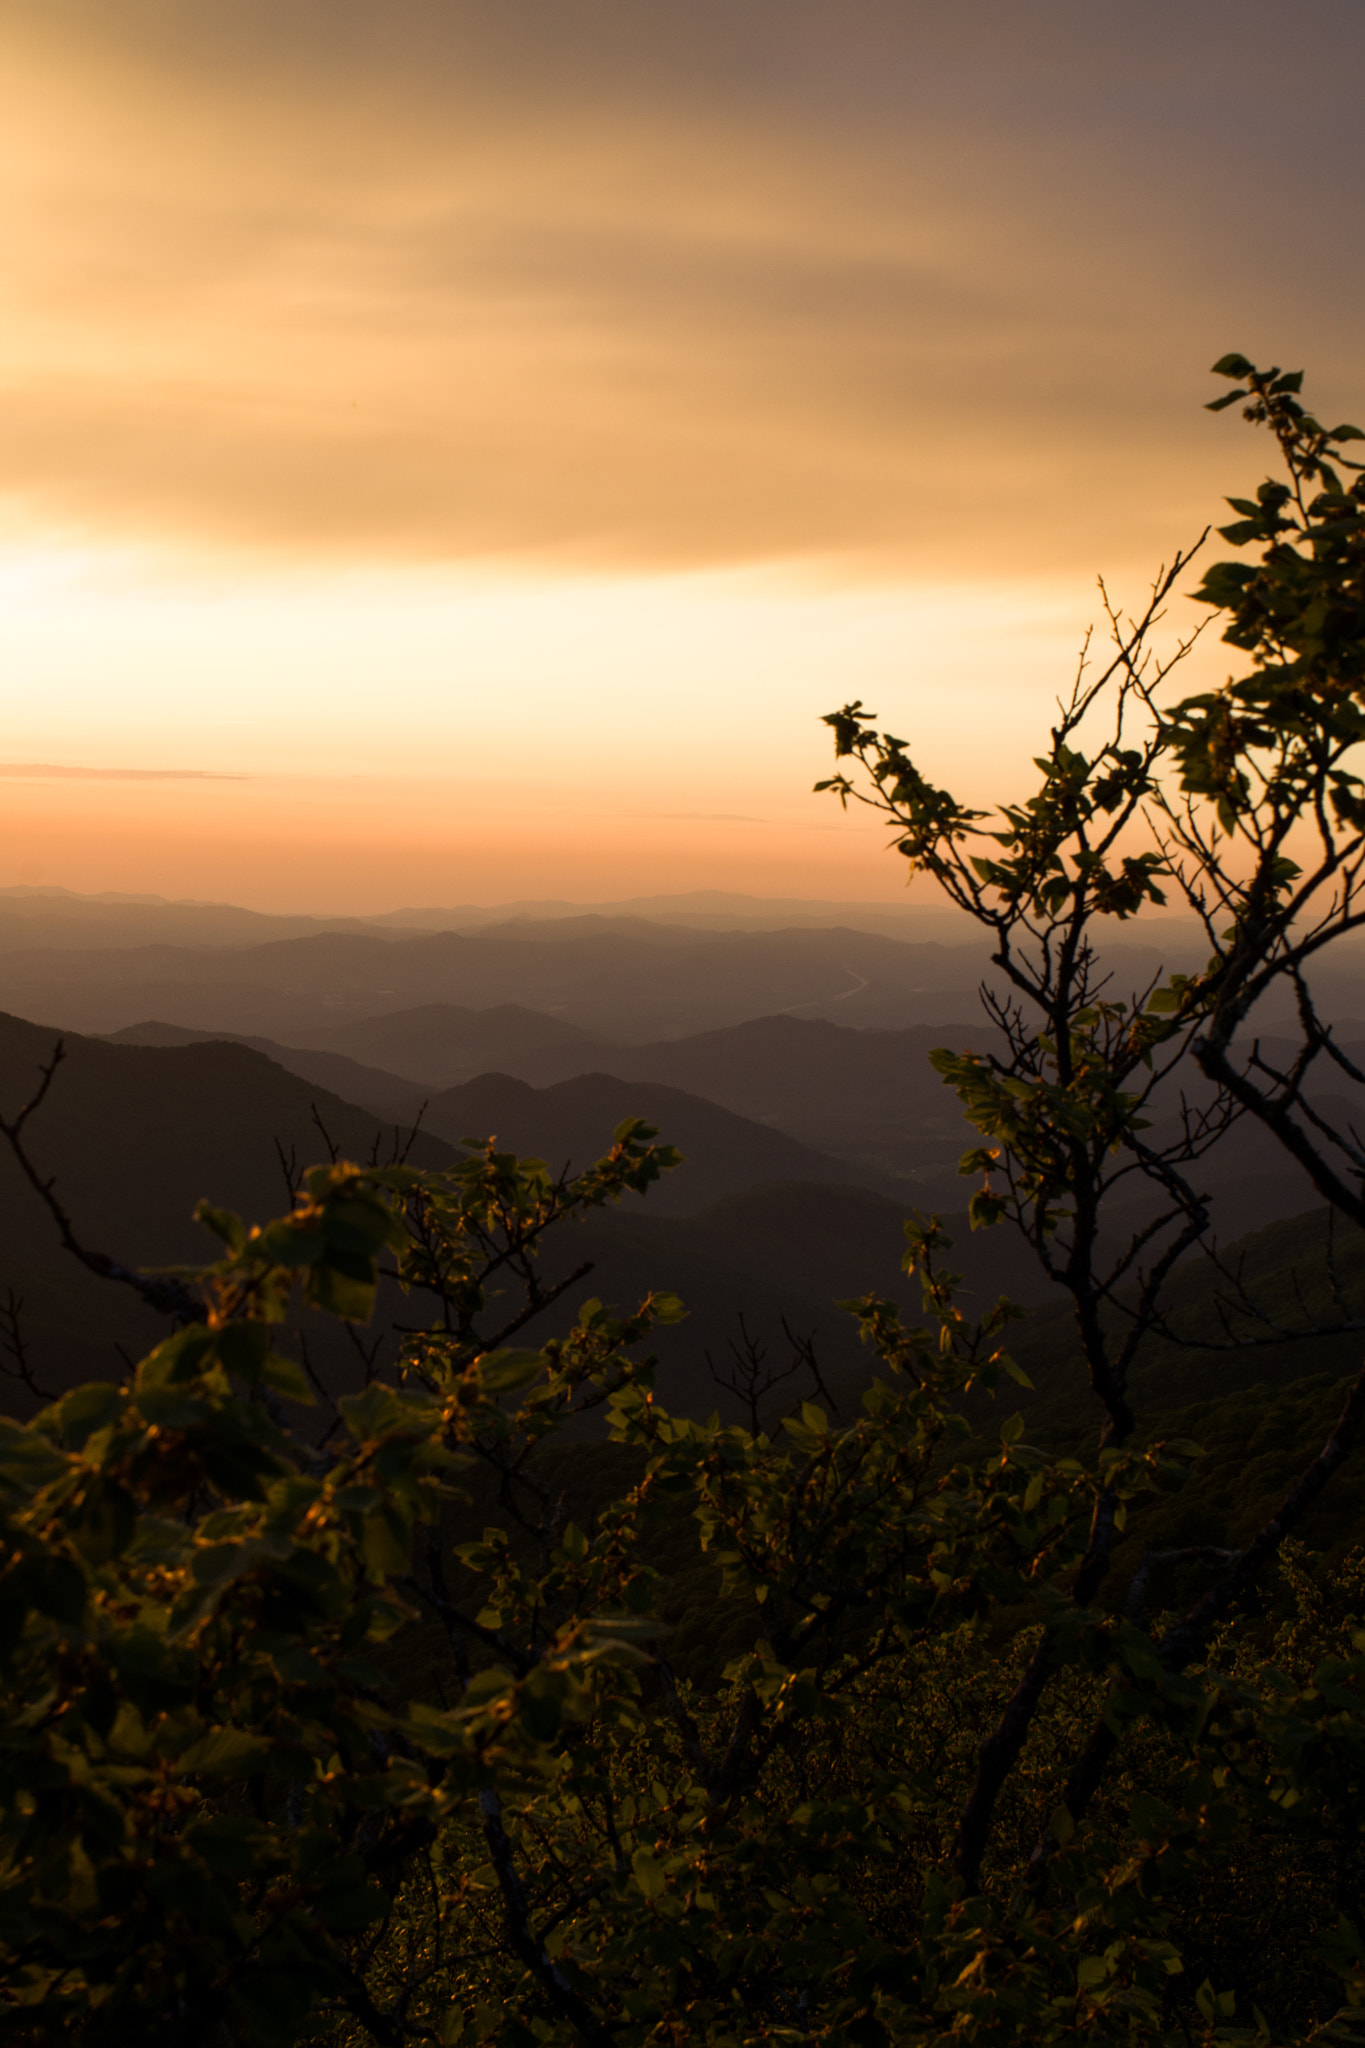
220, 1824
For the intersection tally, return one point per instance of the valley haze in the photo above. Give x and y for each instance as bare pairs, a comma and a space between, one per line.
781, 1046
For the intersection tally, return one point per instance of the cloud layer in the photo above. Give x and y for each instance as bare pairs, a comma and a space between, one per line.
920, 291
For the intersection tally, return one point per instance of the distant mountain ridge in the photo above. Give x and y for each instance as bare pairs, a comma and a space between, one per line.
618, 979
867, 1099
570, 1121
369, 1087
724, 1153
704, 909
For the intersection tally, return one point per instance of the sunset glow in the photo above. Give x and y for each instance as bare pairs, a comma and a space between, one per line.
477, 442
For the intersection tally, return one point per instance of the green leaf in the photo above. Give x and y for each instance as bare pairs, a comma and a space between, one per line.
502, 1371
224, 1753
216, 1564
102, 1522
649, 1875
181, 1358
241, 1349
287, 1377
87, 1409
228, 1228
343, 1285
230, 1844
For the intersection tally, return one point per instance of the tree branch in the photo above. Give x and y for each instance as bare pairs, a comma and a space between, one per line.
167, 1295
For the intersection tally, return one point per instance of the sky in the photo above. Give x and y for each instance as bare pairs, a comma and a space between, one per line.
456, 452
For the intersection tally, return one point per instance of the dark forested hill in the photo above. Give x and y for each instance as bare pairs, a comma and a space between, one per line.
134, 1137
723, 1153
387, 1095
869, 1095
868, 1098
410, 1054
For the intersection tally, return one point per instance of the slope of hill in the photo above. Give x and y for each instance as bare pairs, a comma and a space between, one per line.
387, 1095
143, 1132
1297, 1274
135, 1136
723, 1153
570, 1120
442, 1044
754, 1222
868, 1098
866, 1095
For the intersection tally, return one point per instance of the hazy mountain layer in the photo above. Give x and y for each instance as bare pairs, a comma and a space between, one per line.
386, 1095
442, 1044
59, 916
136, 1135
622, 980
868, 1099
566, 1124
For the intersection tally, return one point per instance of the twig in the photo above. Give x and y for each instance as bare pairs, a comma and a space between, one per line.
162, 1292
12, 1341
289, 1168
333, 1152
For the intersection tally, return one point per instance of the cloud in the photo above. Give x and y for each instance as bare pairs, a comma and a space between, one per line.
47, 771
910, 288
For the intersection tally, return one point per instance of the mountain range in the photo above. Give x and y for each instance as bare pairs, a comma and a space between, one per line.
617, 978
788, 1063
133, 1136
866, 1099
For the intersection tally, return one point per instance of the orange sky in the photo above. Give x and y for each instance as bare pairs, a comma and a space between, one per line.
492, 434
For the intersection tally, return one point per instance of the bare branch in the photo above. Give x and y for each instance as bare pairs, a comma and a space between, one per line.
15, 1347
163, 1292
